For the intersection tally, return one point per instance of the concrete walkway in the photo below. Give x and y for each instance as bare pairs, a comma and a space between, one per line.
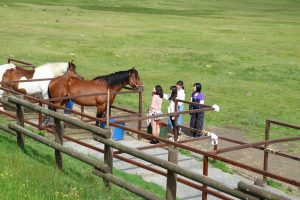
183, 192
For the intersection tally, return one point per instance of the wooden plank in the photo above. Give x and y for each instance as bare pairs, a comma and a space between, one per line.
97, 130
95, 163
259, 192
171, 176
127, 185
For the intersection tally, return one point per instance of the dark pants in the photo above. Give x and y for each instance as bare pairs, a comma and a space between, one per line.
197, 120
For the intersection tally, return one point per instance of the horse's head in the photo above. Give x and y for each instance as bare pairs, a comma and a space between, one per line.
73, 74
134, 79
21, 72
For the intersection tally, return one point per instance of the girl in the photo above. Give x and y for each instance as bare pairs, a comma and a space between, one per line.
180, 96
171, 97
155, 109
196, 118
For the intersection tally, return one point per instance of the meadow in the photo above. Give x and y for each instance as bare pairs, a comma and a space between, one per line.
245, 53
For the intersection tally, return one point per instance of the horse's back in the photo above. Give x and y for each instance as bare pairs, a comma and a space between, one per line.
51, 70
87, 86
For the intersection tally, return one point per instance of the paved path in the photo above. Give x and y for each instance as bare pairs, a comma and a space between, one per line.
183, 192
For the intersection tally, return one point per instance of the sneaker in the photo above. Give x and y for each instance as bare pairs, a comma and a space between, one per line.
196, 135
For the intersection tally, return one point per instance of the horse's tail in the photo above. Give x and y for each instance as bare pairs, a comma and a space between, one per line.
50, 97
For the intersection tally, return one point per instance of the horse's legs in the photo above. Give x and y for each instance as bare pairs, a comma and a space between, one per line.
99, 115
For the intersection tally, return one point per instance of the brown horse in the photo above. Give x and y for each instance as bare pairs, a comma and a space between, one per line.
60, 85
50, 70
114, 82
15, 74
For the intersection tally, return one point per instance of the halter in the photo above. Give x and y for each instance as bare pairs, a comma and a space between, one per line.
137, 85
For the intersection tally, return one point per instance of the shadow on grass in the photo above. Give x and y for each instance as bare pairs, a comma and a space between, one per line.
155, 11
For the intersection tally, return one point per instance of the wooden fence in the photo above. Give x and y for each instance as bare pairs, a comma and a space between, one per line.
104, 169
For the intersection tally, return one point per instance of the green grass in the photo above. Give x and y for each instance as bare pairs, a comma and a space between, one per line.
32, 175
280, 186
221, 165
245, 53
214, 163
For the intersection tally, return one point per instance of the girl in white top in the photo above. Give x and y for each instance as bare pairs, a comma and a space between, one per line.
171, 97
180, 96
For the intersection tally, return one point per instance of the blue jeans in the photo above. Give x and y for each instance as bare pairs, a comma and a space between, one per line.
179, 120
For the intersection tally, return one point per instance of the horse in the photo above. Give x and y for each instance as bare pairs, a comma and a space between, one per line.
17, 73
50, 70
61, 91
3, 69
100, 84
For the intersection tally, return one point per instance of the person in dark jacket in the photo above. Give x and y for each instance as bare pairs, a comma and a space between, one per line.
197, 119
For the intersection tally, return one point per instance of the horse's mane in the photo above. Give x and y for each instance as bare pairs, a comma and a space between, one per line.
116, 78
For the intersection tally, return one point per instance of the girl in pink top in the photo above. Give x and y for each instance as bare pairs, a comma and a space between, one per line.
155, 109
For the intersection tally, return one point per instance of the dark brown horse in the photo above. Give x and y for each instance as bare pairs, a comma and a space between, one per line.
15, 74
114, 82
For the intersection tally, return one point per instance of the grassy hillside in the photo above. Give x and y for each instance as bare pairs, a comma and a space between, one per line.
32, 175
245, 53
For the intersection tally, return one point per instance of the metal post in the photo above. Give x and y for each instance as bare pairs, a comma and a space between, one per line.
205, 173
107, 109
40, 116
266, 153
140, 112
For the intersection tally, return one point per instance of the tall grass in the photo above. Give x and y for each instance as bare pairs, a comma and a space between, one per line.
245, 53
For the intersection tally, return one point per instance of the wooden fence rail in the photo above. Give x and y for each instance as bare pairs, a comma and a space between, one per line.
105, 169
101, 135
57, 146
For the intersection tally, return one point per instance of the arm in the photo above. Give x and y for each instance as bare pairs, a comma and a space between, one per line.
166, 96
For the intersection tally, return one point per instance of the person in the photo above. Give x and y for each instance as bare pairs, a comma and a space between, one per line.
171, 108
180, 96
155, 109
197, 119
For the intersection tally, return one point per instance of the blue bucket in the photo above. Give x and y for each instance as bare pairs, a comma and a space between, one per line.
69, 105
118, 133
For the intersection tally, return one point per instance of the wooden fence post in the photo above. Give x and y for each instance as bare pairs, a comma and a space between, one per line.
108, 160
171, 176
108, 151
20, 121
59, 140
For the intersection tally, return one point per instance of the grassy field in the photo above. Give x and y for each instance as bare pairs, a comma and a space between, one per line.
245, 53
32, 175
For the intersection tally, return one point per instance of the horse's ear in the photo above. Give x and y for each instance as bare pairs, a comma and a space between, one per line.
132, 70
